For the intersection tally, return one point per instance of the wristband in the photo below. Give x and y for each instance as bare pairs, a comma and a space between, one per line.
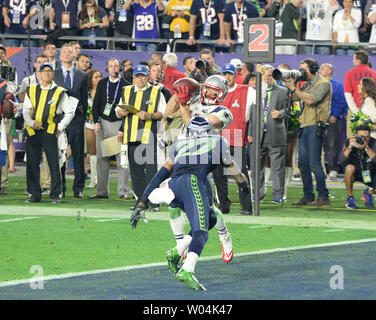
191, 37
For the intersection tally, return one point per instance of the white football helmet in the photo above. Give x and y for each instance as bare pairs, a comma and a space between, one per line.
217, 83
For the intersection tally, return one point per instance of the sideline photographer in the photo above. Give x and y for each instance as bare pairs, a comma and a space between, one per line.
205, 66
316, 95
359, 159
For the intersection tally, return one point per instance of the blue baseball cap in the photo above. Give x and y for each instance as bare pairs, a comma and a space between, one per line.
140, 69
46, 64
229, 68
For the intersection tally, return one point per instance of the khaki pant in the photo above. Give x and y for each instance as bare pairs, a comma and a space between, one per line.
45, 175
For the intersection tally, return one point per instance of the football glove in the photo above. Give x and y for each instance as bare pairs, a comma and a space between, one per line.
183, 94
138, 213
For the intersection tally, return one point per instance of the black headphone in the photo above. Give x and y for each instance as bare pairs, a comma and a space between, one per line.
313, 65
119, 63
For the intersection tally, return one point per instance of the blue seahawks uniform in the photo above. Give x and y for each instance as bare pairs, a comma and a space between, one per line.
194, 159
236, 16
208, 13
145, 21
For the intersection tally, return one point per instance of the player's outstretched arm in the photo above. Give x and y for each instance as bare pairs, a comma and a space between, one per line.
160, 176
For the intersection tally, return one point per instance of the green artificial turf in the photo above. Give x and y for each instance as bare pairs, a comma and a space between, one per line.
80, 242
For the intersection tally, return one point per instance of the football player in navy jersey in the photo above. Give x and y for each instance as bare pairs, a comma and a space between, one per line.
190, 162
235, 14
146, 23
208, 14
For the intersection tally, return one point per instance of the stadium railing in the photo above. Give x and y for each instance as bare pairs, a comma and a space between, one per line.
173, 42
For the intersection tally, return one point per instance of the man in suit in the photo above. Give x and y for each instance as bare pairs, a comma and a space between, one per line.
75, 81
273, 136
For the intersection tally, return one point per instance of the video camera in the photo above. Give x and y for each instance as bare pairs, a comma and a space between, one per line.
283, 74
201, 72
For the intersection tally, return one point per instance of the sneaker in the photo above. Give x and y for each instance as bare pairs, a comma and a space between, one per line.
189, 279
227, 251
173, 260
277, 201
350, 203
45, 191
154, 209
368, 199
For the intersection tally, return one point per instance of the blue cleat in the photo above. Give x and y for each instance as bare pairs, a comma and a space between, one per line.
368, 199
350, 204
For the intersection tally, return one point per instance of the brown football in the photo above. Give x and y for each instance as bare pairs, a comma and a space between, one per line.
7, 109
192, 84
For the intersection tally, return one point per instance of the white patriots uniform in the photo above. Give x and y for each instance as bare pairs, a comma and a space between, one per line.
198, 109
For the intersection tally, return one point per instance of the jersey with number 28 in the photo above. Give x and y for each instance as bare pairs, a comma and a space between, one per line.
145, 21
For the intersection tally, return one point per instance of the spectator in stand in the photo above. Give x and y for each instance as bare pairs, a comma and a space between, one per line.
146, 22
338, 109
352, 80
345, 28
171, 74
16, 20
122, 21
286, 14
319, 24
178, 16
260, 6
208, 16
93, 22
83, 62
235, 14
51, 53
365, 28
189, 64
370, 11
63, 20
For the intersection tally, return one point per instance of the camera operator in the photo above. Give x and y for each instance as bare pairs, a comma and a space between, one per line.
205, 66
359, 159
316, 95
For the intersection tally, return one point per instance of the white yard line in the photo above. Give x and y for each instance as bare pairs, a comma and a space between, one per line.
17, 219
85, 273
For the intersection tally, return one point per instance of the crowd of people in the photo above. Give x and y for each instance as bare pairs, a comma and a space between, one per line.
342, 23
88, 115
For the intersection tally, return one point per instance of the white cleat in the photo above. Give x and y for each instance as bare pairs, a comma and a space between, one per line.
227, 251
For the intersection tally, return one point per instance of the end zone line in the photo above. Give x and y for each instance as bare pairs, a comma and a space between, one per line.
159, 264
18, 219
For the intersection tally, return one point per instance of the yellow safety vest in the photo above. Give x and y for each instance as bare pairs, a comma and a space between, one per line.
143, 100
44, 103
